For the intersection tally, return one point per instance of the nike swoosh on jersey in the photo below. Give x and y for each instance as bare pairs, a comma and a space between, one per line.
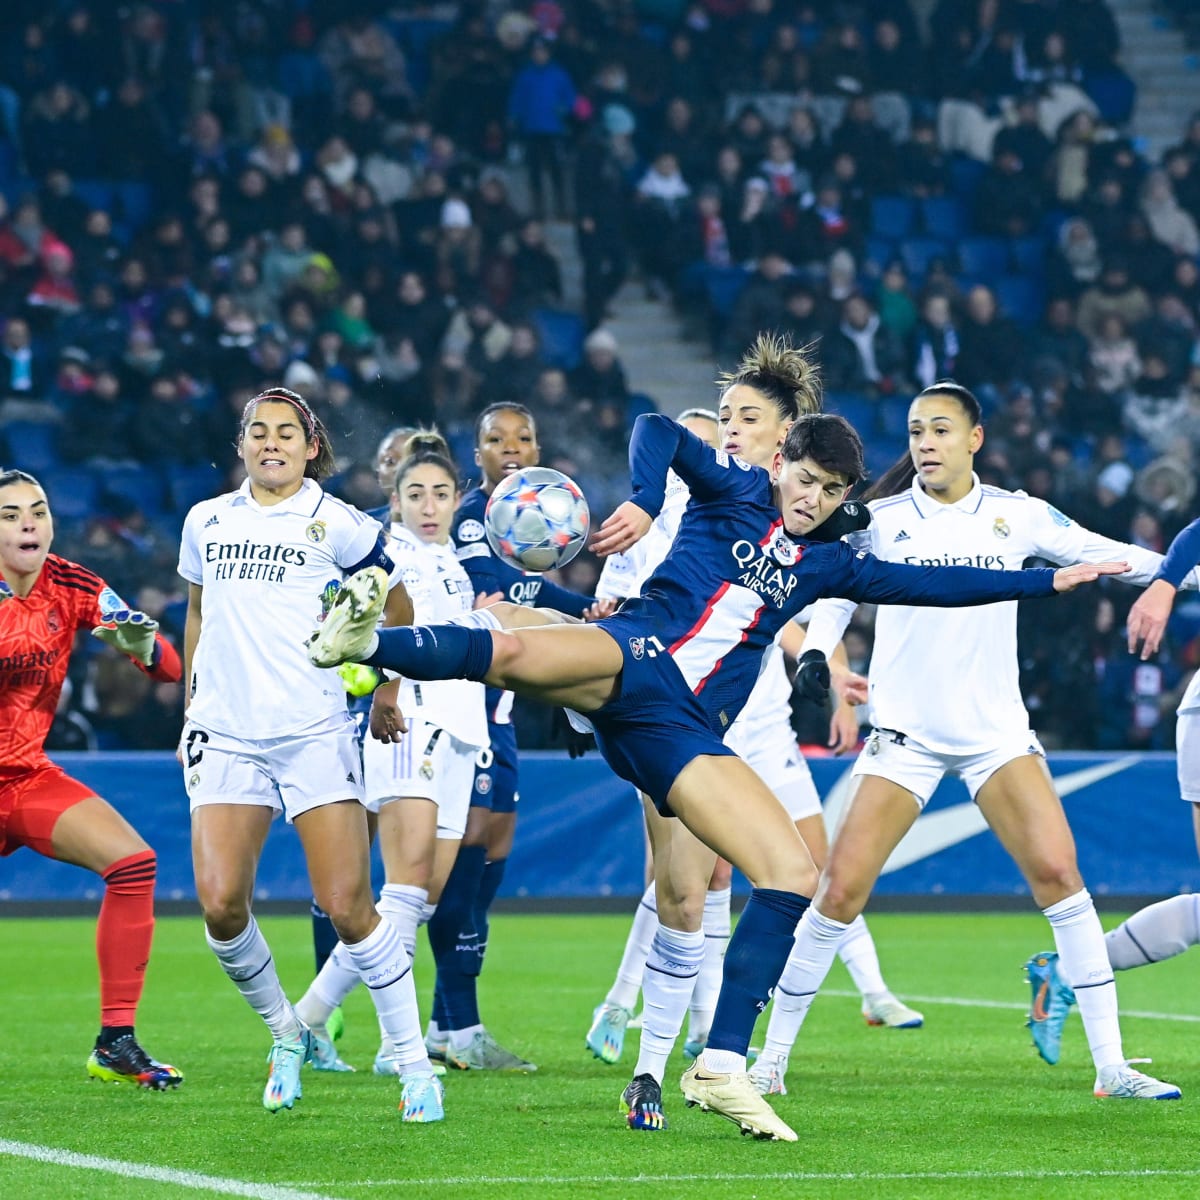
945, 827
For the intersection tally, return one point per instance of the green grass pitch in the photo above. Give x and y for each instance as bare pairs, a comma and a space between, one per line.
961, 1108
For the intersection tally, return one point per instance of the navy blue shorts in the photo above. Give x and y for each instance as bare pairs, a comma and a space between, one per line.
496, 771
656, 726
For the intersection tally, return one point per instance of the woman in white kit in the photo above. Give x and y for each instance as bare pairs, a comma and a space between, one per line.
419, 767
774, 384
265, 731
945, 698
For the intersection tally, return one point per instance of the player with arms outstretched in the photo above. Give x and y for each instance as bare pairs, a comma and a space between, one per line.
45, 601
663, 678
967, 717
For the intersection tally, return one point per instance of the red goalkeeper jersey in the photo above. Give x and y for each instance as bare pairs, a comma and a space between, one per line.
36, 636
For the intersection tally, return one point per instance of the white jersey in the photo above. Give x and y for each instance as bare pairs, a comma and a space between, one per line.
1191, 696
266, 571
625, 575
947, 677
440, 589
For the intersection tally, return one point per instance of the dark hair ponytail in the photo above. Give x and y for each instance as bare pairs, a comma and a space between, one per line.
899, 476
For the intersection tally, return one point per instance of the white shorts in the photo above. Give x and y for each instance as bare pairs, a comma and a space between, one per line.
427, 763
289, 774
919, 770
1187, 755
775, 758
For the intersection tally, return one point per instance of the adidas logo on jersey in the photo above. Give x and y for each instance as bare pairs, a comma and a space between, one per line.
900, 537
211, 521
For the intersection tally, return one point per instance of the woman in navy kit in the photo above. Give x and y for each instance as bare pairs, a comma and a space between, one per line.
505, 441
662, 679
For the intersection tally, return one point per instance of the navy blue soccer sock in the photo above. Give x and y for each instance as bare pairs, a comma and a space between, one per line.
489, 885
754, 961
323, 934
434, 652
455, 942
437, 1014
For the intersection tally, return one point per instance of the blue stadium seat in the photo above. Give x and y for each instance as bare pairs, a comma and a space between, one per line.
723, 285
73, 492
95, 193
893, 420
1029, 255
880, 250
31, 445
919, 252
1020, 297
302, 74
637, 404
561, 335
856, 408
136, 201
142, 486
983, 258
190, 485
881, 453
965, 174
944, 217
892, 216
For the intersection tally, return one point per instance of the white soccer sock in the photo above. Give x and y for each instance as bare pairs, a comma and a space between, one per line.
817, 941
625, 988
247, 960
460, 1039
1155, 932
857, 951
336, 979
1085, 966
386, 969
708, 983
671, 970
403, 904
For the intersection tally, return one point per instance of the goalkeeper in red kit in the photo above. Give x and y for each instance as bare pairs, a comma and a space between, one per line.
44, 601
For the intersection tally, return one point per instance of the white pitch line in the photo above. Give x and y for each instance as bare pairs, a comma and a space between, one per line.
768, 1176
186, 1179
1013, 1006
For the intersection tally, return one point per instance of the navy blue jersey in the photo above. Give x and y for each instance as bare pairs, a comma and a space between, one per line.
734, 576
491, 574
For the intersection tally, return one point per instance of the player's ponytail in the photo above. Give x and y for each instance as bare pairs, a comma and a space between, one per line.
318, 468
426, 441
787, 375
899, 476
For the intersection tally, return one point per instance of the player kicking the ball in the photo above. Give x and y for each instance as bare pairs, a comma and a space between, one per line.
44, 601
663, 677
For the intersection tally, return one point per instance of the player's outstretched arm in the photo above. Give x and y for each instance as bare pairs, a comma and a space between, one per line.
1149, 615
1067, 579
135, 634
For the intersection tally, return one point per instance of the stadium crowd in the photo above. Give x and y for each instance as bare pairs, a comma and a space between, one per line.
197, 199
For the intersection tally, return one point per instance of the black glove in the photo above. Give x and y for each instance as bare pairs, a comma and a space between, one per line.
812, 676
851, 517
577, 744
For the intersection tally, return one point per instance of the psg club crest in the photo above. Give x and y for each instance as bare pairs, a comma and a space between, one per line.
1000, 528
638, 647
316, 532
785, 552
483, 783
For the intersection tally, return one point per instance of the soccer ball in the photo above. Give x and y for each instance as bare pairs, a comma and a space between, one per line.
537, 519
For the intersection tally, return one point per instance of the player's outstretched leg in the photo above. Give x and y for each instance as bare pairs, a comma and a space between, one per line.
286, 1058
641, 1102
1049, 1006
121, 1059
349, 625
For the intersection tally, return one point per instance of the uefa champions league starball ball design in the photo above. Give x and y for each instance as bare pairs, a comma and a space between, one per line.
537, 519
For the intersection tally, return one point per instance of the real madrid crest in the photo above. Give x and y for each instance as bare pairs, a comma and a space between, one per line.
1000, 528
316, 532
194, 779
427, 769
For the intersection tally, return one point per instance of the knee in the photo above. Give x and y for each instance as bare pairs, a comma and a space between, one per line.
506, 653
841, 899
225, 916
351, 911
681, 907
722, 876
1053, 879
